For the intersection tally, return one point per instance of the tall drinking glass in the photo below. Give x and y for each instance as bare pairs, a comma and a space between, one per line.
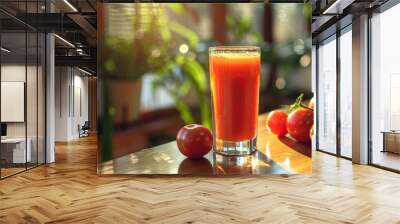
235, 81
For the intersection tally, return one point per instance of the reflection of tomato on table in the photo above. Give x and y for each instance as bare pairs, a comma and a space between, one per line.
201, 166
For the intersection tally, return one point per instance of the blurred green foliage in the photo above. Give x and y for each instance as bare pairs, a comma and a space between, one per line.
142, 50
169, 49
286, 55
164, 50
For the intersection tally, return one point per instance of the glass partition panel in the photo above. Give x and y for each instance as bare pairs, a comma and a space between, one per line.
31, 97
14, 153
346, 93
22, 88
327, 96
385, 88
41, 79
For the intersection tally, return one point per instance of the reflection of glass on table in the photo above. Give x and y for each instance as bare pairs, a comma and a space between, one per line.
166, 159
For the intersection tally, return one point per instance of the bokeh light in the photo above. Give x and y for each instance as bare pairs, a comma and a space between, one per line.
184, 48
280, 83
305, 60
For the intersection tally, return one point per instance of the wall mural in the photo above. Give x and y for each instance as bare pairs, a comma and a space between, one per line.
172, 104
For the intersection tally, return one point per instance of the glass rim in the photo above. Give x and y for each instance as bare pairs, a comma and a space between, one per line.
244, 48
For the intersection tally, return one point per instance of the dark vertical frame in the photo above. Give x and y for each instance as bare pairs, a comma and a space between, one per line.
73, 91
316, 96
338, 95
369, 78
37, 90
69, 94
26, 86
0, 93
44, 79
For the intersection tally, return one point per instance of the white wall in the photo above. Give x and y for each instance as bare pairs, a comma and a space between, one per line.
62, 81
12, 73
71, 94
80, 100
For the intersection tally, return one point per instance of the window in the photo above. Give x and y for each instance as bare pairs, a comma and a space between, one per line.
327, 96
346, 93
385, 89
22, 78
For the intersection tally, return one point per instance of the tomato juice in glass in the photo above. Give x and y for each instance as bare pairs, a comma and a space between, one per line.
235, 80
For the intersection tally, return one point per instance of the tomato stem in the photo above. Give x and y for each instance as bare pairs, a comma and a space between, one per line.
297, 104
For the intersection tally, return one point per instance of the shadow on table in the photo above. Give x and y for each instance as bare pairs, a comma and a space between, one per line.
303, 148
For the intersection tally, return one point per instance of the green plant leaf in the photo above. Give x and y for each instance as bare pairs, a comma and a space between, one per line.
205, 112
230, 21
109, 65
176, 7
184, 88
184, 111
185, 32
195, 71
197, 77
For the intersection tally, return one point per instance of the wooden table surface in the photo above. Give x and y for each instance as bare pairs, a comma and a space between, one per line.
274, 156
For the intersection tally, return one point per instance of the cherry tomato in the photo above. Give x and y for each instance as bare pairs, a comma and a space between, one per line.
276, 122
311, 103
194, 141
299, 123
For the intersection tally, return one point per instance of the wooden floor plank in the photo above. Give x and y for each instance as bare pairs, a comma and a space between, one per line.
70, 191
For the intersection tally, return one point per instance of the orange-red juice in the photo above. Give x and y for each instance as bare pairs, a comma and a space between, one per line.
235, 80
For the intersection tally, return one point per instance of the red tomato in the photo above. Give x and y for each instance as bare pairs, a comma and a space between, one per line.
194, 141
299, 124
311, 103
276, 122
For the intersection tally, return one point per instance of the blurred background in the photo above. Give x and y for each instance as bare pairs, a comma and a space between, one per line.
154, 64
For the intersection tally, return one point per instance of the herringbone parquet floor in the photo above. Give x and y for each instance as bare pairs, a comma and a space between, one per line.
69, 191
